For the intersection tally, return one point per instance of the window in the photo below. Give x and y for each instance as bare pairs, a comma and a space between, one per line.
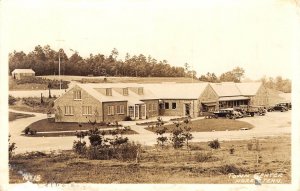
161, 106
108, 92
110, 110
77, 95
86, 110
154, 107
140, 91
174, 105
125, 91
69, 110
120, 109
167, 105
150, 107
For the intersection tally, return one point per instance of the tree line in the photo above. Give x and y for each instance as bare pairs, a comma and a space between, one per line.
236, 75
44, 61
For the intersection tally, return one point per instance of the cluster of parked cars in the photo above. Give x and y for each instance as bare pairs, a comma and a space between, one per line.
247, 110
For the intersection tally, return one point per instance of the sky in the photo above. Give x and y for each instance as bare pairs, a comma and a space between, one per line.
211, 36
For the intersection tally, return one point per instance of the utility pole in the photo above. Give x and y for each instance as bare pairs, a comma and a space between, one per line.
59, 65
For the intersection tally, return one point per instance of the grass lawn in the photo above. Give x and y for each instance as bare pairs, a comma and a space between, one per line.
204, 125
44, 125
13, 116
198, 165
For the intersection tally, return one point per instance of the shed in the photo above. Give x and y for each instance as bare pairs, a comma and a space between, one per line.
22, 73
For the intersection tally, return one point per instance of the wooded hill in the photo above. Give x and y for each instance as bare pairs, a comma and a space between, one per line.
44, 61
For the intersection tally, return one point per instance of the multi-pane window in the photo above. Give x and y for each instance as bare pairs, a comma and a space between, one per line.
167, 105
69, 110
108, 91
87, 110
150, 107
77, 95
125, 91
140, 91
111, 110
120, 109
174, 105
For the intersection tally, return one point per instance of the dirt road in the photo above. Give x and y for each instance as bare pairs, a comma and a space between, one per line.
273, 124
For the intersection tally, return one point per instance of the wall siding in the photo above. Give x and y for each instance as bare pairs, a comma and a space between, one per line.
261, 97
87, 100
115, 116
151, 113
179, 111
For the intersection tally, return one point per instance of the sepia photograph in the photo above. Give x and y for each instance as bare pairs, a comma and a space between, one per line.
148, 94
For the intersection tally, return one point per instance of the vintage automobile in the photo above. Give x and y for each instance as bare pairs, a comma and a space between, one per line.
229, 113
287, 105
278, 108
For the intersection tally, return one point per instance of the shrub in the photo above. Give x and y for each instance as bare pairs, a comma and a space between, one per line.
230, 168
26, 130
205, 157
11, 100
32, 132
215, 144
127, 118
231, 151
195, 147
79, 147
11, 147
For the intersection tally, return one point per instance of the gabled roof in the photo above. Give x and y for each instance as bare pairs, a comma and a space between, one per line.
226, 89
177, 90
23, 71
249, 89
101, 97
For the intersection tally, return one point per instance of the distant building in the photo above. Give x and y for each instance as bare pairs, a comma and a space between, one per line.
22, 73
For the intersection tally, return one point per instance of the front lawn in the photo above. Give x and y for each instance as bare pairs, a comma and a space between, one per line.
13, 116
205, 125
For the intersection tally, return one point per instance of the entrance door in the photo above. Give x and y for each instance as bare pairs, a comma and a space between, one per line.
142, 111
136, 112
187, 109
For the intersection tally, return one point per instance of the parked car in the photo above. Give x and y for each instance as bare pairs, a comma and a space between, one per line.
277, 108
229, 113
287, 105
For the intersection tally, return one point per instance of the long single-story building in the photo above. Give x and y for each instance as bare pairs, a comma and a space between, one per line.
22, 73
115, 101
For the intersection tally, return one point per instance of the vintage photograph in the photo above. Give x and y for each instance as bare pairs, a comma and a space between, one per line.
148, 92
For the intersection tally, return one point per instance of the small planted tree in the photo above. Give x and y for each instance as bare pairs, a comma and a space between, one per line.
161, 139
80, 146
187, 132
177, 139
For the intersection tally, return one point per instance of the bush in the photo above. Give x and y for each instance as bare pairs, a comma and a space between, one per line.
215, 144
230, 168
231, 151
127, 118
26, 130
32, 132
11, 100
205, 157
177, 139
79, 147
126, 151
11, 148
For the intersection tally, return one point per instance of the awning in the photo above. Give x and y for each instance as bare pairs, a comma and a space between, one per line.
234, 98
210, 104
